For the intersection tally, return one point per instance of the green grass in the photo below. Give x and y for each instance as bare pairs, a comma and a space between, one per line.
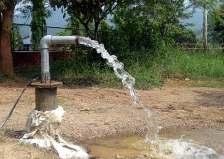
194, 65
149, 71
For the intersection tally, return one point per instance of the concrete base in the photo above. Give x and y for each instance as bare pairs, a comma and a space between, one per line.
46, 95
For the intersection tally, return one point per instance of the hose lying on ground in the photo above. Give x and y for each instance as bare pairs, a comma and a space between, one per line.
17, 101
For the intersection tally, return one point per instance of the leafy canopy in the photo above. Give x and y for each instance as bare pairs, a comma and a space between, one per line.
208, 4
89, 13
7, 4
217, 24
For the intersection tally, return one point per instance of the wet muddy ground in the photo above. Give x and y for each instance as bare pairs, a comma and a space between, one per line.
134, 147
100, 112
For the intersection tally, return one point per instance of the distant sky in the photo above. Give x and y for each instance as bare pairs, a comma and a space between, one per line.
56, 19
197, 21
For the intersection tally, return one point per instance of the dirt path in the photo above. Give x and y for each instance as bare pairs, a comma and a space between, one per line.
99, 112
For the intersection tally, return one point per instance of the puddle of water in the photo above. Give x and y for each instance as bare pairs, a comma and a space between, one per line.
213, 138
119, 147
134, 147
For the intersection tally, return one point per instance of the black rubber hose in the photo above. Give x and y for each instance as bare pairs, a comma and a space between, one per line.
17, 101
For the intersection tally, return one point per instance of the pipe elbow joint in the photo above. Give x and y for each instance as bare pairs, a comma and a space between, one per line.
45, 42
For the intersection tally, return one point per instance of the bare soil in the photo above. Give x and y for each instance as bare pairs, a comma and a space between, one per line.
100, 112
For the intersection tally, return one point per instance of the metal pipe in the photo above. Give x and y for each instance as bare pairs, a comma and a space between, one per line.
45, 42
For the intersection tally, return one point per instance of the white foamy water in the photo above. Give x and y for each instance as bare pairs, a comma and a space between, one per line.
127, 80
42, 132
178, 149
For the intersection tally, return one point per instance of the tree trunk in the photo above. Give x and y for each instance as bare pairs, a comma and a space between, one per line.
205, 28
6, 60
96, 36
86, 26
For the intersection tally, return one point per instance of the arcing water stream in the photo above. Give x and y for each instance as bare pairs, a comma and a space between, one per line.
127, 80
164, 148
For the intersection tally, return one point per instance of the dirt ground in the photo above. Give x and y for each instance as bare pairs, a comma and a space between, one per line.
100, 112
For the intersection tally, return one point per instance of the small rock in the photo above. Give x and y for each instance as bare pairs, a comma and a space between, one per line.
85, 109
140, 107
106, 123
171, 107
119, 156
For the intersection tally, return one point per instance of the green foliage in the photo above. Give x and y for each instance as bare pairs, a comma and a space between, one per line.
17, 41
7, 4
79, 71
207, 4
146, 26
74, 28
217, 24
182, 35
135, 30
194, 65
149, 71
66, 32
137, 25
88, 13
38, 23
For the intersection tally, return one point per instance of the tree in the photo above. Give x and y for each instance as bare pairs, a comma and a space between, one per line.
38, 10
17, 40
6, 60
38, 23
206, 5
148, 23
217, 24
166, 14
89, 13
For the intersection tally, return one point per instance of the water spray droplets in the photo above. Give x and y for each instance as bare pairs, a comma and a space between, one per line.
127, 80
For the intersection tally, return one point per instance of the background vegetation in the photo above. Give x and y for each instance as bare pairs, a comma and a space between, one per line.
147, 35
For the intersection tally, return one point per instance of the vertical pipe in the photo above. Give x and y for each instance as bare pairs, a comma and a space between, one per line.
45, 66
44, 45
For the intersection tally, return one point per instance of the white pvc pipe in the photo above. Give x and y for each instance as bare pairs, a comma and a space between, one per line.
45, 42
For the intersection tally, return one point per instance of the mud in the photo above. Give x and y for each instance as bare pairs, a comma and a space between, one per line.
100, 112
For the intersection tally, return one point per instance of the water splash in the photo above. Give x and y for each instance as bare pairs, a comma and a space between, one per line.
127, 80
152, 128
168, 148
134, 147
179, 149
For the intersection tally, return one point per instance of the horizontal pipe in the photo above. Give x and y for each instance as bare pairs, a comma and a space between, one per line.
45, 42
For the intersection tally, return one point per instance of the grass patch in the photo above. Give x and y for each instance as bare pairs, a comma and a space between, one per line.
194, 65
149, 70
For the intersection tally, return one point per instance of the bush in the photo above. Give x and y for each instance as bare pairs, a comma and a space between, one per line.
150, 70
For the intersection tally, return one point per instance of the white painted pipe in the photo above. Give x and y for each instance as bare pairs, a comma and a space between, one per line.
45, 42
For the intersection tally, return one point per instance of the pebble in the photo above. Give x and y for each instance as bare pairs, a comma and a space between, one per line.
85, 109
